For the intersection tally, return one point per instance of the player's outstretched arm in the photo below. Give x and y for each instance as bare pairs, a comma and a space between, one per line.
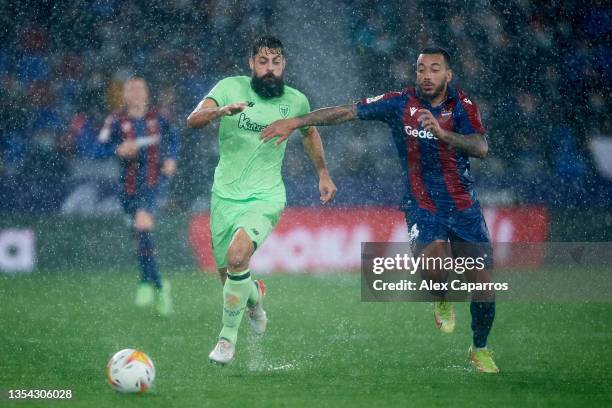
320, 117
314, 148
207, 111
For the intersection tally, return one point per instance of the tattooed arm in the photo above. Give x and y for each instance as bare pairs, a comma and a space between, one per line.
473, 145
320, 117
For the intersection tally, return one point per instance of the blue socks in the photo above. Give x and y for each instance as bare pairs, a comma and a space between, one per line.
149, 270
483, 314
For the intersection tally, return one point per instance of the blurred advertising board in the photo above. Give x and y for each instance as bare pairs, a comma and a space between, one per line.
309, 239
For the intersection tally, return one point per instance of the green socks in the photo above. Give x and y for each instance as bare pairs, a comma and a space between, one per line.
238, 289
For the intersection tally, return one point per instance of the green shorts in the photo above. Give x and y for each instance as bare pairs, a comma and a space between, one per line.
257, 217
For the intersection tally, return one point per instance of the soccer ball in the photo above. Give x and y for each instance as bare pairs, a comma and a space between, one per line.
130, 371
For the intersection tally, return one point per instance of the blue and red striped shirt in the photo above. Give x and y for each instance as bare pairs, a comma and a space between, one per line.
144, 170
437, 175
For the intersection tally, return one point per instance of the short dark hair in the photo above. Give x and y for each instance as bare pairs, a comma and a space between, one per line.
267, 41
438, 50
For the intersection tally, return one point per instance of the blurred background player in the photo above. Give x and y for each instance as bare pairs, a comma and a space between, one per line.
248, 191
147, 146
436, 128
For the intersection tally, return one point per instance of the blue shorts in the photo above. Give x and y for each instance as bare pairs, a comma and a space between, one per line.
466, 231
145, 199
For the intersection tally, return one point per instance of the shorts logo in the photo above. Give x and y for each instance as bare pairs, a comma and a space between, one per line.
413, 236
374, 98
254, 231
284, 110
414, 233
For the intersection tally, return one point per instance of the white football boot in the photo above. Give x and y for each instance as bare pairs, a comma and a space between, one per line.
223, 353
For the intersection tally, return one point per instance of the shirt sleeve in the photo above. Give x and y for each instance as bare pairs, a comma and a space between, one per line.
469, 121
304, 110
219, 93
378, 107
109, 137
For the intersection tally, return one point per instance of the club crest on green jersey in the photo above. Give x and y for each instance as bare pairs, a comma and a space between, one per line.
284, 110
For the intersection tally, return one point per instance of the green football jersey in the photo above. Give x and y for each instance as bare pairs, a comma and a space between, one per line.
248, 167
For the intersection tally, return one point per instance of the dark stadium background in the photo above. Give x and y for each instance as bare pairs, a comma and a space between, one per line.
540, 74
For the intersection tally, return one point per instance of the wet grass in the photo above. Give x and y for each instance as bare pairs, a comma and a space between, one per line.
323, 348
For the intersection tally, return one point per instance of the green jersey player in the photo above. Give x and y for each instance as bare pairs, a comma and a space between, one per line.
248, 193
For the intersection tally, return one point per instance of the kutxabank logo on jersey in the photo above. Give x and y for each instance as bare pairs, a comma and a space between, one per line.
244, 122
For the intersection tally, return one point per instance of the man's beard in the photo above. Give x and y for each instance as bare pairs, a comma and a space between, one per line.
268, 86
437, 91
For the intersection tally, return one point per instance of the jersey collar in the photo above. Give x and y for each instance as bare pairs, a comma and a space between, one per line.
451, 94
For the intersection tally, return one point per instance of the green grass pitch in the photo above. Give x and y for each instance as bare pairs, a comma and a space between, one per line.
323, 347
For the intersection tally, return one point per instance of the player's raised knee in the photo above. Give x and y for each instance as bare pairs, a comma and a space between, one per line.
238, 257
433, 256
240, 251
143, 221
